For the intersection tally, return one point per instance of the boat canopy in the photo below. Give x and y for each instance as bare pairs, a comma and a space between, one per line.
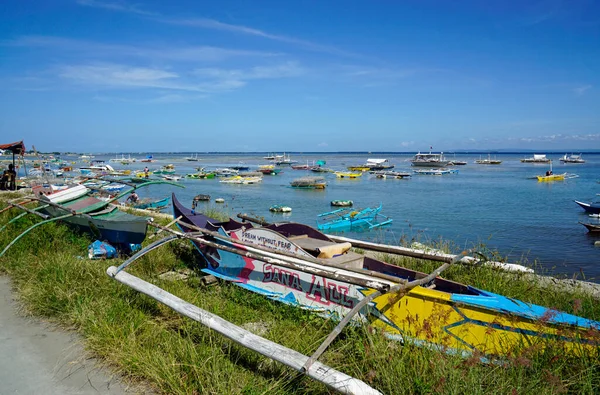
376, 161
539, 156
17, 148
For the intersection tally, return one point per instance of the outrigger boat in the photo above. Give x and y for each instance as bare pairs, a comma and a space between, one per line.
592, 228
77, 207
346, 219
345, 174
593, 207
300, 266
152, 205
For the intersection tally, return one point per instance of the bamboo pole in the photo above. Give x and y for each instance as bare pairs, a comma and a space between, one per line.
30, 211
401, 289
292, 263
166, 226
414, 253
322, 262
337, 380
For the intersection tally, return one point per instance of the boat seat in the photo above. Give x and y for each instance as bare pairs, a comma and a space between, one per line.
329, 251
349, 259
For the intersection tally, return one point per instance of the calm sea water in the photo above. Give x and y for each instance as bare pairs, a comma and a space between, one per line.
500, 206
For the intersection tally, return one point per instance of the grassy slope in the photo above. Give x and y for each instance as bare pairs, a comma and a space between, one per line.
147, 341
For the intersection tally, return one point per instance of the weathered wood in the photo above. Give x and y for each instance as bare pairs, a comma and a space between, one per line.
337, 380
11, 205
166, 226
30, 211
415, 253
317, 261
400, 288
294, 263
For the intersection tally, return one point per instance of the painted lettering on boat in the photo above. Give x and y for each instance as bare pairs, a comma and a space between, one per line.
326, 291
281, 276
268, 239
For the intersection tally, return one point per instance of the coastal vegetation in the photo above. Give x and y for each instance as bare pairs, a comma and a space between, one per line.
148, 342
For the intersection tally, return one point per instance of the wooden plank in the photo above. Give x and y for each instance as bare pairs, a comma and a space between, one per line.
335, 379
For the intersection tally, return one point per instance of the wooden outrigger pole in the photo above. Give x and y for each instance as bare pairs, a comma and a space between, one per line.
411, 252
331, 377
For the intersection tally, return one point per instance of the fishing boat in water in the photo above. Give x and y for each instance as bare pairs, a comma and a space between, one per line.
345, 174
342, 203
572, 159
537, 158
350, 219
278, 208
429, 160
435, 172
593, 207
391, 174
298, 265
488, 161
592, 228
309, 183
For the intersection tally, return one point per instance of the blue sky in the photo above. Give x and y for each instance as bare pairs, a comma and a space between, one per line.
108, 76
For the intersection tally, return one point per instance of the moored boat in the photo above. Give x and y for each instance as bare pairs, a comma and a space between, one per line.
342, 203
345, 174
298, 265
572, 159
592, 228
309, 183
488, 161
278, 208
537, 158
435, 172
429, 160
593, 207
391, 174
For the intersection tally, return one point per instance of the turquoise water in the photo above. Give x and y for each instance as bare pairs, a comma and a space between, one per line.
498, 205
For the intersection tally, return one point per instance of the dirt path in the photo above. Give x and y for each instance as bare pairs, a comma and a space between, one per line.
36, 358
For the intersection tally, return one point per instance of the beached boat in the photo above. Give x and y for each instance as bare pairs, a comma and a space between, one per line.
488, 161
89, 214
429, 160
593, 208
592, 228
298, 265
536, 158
347, 219
345, 174
278, 208
342, 203
435, 172
572, 159
152, 204
309, 183
391, 174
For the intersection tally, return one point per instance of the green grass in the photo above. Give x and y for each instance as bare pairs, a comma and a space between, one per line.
148, 342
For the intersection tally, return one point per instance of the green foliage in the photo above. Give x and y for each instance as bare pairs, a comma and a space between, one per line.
147, 341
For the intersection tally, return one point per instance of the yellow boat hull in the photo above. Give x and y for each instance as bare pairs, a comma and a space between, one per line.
553, 177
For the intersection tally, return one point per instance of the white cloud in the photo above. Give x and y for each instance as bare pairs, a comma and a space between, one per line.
323, 144
580, 90
96, 50
213, 24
